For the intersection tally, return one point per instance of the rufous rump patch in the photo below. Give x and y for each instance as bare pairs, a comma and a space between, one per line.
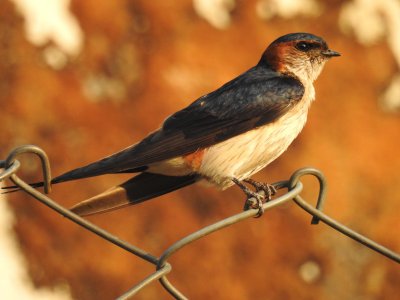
194, 159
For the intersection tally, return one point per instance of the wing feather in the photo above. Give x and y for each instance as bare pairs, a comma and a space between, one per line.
253, 99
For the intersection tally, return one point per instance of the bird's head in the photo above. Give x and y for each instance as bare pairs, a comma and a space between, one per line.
302, 54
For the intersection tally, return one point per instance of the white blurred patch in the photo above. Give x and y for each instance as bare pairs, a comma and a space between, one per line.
310, 271
51, 21
363, 18
390, 99
55, 57
371, 21
99, 87
267, 9
14, 280
216, 12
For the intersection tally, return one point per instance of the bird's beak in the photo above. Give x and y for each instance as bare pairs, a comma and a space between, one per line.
330, 53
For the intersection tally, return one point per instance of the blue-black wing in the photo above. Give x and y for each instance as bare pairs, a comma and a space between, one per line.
255, 98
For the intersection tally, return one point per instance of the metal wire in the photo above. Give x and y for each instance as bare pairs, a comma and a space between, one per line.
10, 170
293, 185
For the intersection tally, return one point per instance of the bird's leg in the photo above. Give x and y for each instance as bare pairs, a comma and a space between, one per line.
254, 199
268, 189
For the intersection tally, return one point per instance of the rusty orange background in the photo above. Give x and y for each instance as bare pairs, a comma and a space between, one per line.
163, 56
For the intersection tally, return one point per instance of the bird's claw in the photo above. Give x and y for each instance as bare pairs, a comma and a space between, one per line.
268, 189
255, 201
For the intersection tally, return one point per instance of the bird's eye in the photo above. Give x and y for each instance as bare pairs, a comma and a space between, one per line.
303, 46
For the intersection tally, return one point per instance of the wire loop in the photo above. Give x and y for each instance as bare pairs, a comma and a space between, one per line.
295, 178
43, 158
294, 186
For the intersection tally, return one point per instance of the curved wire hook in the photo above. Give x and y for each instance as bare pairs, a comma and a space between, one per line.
295, 178
293, 185
11, 159
9, 170
318, 215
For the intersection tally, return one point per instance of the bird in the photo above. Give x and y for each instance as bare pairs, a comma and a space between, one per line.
223, 137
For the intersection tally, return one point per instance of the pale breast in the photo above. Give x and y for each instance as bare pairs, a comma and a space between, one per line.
243, 155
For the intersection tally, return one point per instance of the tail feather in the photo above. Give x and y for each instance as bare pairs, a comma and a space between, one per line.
75, 174
15, 188
140, 188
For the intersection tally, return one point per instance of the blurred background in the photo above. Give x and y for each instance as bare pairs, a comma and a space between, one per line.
83, 79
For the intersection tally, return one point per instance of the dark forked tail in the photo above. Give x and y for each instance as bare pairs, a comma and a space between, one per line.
142, 187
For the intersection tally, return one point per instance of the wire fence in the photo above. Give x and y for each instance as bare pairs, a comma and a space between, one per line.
162, 267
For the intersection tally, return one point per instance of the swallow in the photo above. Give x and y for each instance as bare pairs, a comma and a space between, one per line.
223, 137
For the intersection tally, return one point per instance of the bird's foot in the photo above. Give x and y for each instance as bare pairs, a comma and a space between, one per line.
254, 199
267, 188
